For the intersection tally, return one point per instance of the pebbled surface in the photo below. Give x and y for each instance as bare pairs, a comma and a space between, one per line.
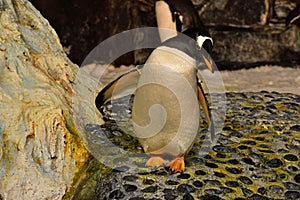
256, 156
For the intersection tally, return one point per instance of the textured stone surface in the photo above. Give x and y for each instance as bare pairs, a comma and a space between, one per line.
248, 160
237, 13
245, 33
40, 150
255, 47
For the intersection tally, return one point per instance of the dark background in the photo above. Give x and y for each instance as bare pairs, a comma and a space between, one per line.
245, 33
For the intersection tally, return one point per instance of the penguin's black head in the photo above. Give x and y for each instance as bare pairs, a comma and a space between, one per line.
202, 38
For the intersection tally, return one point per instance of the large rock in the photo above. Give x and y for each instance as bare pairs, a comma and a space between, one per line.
235, 13
238, 28
40, 149
247, 48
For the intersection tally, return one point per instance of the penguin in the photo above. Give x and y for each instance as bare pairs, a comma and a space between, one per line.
165, 111
294, 17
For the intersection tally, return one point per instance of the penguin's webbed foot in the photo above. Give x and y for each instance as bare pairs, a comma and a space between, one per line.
177, 165
155, 161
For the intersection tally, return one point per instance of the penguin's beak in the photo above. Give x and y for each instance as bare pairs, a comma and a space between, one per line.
208, 62
205, 45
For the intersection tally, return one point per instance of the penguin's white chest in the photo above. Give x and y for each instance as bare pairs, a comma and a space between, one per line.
165, 111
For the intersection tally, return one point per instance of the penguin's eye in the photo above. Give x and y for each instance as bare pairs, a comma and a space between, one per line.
177, 13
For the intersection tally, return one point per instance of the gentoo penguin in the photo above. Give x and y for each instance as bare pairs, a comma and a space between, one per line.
165, 110
294, 17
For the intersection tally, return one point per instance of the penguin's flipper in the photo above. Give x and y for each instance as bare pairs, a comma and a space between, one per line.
204, 103
119, 85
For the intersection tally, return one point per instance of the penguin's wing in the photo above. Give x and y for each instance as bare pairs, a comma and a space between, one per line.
117, 86
203, 101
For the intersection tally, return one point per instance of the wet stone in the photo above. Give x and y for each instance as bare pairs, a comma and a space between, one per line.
226, 190
291, 186
116, 194
221, 155
297, 178
295, 128
260, 150
292, 195
249, 142
170, 197
198, 184
200, 173
185, 188
220, 175
232, 184
211, 165
233, 161
234, 170
274, 163
275, 189
290, 157
266, 151
243, 147
184, 176
170, 182
282, 176
264, 146
150, 189
213, 191
212, 182
248, 161
130, 188
236, 134
187, 197
148, 182
246, 191
121, 169
258, 197
292, 168
224, 149
245, 180
137, 198
209, 197
262, 190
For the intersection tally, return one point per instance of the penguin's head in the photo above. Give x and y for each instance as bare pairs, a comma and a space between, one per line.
202, 38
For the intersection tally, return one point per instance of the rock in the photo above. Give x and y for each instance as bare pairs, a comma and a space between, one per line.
82, 25
237, 13
236, 47
245, 34
227, 171
40, 147
282, 8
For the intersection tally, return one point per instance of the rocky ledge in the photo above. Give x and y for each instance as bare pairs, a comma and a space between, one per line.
255, 157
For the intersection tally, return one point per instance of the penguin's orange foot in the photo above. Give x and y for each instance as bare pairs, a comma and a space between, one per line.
177, 165
155, 161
